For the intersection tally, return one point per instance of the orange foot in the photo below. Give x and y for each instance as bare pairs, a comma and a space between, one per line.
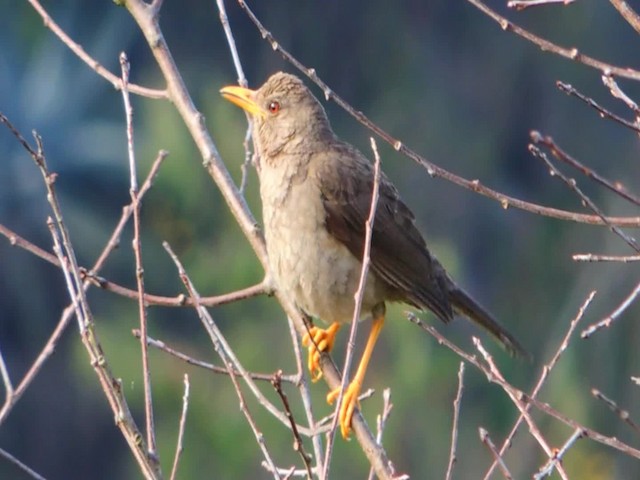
349, 403
319, 340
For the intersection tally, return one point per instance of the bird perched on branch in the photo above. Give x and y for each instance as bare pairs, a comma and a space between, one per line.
316, 194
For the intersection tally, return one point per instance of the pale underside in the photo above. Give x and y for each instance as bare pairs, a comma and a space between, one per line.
308, 264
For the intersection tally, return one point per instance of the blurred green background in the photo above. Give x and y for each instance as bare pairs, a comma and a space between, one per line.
437, 74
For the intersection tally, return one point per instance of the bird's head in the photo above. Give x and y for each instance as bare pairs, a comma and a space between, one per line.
286, 114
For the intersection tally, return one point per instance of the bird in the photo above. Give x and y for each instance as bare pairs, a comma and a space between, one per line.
316, 195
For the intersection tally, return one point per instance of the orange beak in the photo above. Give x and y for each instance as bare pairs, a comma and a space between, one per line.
243, 98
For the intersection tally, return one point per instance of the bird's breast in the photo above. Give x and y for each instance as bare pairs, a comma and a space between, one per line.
308, 264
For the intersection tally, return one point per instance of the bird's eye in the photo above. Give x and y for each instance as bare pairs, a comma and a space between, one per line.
274, 107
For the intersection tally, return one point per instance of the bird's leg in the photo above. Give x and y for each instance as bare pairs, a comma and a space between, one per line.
319, 340
351, 393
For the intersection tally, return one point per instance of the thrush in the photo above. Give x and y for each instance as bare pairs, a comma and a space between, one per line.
316, 195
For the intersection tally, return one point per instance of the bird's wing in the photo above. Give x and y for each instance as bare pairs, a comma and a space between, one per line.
399, 255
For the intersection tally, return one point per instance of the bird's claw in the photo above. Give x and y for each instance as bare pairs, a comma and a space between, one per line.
318, 340
349, 403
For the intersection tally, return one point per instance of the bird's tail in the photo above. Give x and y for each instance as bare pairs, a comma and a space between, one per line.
467, 306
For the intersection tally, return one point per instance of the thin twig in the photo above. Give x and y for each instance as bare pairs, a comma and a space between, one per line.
454, 428
520, 5
298, 445
137, 252
226, 355
554, 462
604, 113
572, 184
63, 248
627, 13
6, 380
221, 343
621, 413
67, 314
521, 405
26, 469
618, 93
507, 387
432, 169
262, 288
607, 321
590, 257
214, 165
183, 421
546, 46
486, 439
89, 60
544, 374
305, 395
359, 294
242, 80
92, 278
561, 155
160, 345
381, 422
231, 42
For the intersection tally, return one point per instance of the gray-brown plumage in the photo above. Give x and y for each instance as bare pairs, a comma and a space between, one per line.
316, 196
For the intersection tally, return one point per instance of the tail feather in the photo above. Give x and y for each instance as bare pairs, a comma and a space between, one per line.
467, 306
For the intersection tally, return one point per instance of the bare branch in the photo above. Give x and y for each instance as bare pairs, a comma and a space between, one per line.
364, 271
622, 414
547, 46
523, 4
486, 439
137, 251
76, 287
604, 113
572, 184
617, 92
524, 410
381, 422
26, 469
432, 169
298, 445
183, 420
160, 345
6, 380
627, 13
542, 406
91, 278
454, 428
221, 345
561, 155
607, 321
554, 463
90, 61
305, 395
590, 257
66, 316
544, 374
226, 355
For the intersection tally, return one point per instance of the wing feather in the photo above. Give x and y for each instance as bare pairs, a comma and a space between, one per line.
399, 254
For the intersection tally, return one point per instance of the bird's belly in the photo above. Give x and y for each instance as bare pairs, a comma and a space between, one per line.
312, 268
